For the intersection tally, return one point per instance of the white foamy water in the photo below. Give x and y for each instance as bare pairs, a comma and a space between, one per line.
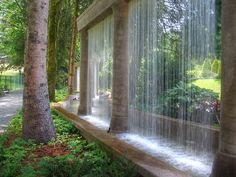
178, 156
96, 121
197, 165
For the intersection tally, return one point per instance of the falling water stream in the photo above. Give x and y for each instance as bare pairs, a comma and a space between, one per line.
171, 50
171, 47
100, 60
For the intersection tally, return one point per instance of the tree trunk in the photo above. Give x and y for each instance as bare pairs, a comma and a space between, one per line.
225, 162
54, 13
37, 122
71, 83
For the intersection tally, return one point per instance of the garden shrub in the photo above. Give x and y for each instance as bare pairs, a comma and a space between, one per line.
62, 78
28, 171
61, 94
144, 81
12, 158
1, 91
219, 72
2, 154
206, 68
19, 157
62, 126
60, 166
106, 75
2, 88
96, 163
215, 68
15, 125
188, 96
195, 73
121, 168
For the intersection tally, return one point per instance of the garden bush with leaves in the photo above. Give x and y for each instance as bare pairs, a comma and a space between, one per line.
188, 96
61, 94
62, 125
208, 69
77, 158
60, 166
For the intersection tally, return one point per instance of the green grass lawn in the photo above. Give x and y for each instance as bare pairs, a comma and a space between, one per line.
212, 84
10, 72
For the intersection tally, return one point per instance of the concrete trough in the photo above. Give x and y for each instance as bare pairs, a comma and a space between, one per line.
147, 165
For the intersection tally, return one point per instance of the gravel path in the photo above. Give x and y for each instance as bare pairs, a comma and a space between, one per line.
9, 105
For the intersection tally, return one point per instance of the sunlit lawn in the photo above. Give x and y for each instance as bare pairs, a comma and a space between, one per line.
212, 84
10, 73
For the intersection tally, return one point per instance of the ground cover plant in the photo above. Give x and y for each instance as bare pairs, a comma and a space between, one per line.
61, 94
69, 155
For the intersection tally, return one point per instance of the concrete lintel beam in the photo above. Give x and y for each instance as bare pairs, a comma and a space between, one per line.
96, 12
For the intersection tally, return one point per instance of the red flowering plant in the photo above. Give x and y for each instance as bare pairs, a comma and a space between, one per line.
193, 101
211, 106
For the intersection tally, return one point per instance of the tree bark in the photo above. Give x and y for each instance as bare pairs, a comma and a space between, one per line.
71, 83
225, 162
54, 13
37, 122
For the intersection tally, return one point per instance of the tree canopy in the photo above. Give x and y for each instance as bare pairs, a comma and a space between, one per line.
13, 30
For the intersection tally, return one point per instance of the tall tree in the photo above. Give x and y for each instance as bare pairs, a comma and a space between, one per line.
37, 122
71, 83
54, 14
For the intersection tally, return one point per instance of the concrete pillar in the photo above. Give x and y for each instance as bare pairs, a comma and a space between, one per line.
225, 161
83, 107
119, 121
77, 78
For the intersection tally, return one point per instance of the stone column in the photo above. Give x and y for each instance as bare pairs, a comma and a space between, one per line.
83, 107
225, 161
119, 121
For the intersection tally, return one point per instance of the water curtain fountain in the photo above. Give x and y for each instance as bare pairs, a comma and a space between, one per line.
100, 42
172, 47
171, 56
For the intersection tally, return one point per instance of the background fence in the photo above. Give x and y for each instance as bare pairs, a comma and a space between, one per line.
11, 82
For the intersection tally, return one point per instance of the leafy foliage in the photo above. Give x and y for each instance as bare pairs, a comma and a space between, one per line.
64, 34
60, 166
9, 82
209, 68
13, 30
61, 94
184, 96
13, 156
62, 126
15, 125
76, 158
13, 24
